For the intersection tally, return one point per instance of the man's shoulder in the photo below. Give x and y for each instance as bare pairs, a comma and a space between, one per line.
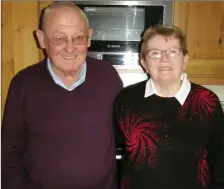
30, 72
133, 90
102, 70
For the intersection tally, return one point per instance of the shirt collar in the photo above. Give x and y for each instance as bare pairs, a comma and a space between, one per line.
181, 95
57, 80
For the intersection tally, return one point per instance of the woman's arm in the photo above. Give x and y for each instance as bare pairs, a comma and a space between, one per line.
216, 150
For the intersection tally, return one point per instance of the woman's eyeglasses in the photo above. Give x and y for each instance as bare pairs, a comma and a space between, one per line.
157, 54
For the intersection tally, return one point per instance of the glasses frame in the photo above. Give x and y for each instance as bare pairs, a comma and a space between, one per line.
164, 51
65, 42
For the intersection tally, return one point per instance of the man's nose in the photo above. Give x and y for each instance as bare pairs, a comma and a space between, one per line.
69, 47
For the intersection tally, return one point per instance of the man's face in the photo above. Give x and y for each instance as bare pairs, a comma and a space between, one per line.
165, 69
65, 25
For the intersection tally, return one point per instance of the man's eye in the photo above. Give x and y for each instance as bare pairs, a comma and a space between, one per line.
80, 38
59, 38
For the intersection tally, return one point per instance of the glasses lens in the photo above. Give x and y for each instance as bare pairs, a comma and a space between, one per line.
58, 40
154, 54
80, 40
173, 52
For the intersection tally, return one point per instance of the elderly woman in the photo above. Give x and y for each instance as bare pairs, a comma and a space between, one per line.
171, 130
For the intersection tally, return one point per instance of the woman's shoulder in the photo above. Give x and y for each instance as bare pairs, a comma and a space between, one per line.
202, 92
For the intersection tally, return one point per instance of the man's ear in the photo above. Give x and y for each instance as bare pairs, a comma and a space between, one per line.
90, 33
40, 37
186, 59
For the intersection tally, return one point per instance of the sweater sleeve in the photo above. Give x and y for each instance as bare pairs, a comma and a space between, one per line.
13, 139
118, 123
216, 150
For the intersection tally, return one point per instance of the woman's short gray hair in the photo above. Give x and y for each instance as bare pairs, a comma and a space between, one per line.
166, 32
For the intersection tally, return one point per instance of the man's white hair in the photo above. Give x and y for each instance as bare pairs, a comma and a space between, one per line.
62, 4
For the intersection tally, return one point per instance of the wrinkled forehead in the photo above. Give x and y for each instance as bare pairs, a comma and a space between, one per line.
163, 42
64, 18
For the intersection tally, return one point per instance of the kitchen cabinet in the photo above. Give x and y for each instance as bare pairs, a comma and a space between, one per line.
203, 22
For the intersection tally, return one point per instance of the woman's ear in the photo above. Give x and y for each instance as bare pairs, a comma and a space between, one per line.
186, 59
142, 61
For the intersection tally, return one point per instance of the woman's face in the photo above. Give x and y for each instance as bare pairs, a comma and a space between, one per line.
165, 62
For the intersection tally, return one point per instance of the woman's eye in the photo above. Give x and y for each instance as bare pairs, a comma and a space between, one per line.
155, 53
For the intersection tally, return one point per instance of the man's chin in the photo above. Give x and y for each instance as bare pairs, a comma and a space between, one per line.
71, 71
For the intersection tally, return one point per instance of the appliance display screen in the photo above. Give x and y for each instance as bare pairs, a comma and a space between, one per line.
116, 23
115, 59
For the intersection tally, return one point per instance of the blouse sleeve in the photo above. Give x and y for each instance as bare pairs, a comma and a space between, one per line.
216, 150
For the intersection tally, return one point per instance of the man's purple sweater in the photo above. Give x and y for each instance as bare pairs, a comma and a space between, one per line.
58, 139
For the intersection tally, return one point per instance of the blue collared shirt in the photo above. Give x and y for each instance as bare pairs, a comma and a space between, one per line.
58, 81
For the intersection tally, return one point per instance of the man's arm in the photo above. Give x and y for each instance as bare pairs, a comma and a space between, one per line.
13, 139
216, 150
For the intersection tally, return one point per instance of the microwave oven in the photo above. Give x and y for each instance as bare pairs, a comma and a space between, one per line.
118, 27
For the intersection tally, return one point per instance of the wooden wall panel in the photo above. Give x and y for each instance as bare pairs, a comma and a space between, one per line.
25, 21
7, 50
204, 29
19, 50
180, 15
206, 71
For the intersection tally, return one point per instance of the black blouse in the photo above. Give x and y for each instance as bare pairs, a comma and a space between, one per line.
168, 145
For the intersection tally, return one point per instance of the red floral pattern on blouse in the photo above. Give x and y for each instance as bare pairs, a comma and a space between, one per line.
141, 137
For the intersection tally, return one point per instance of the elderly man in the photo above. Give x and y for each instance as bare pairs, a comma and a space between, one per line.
57, 125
